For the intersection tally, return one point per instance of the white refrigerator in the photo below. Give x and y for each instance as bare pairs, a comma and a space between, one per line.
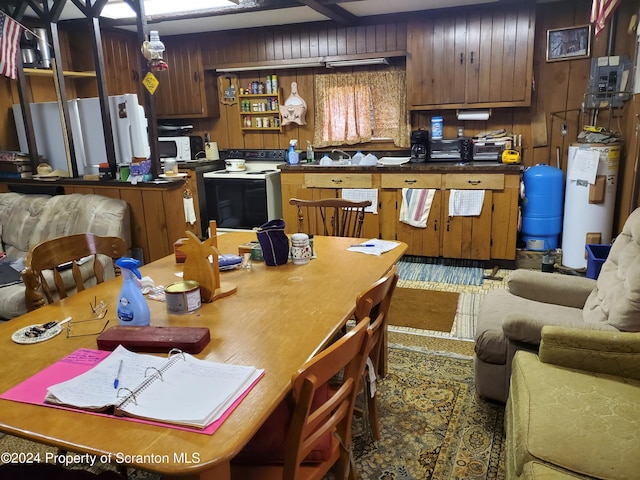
128, 125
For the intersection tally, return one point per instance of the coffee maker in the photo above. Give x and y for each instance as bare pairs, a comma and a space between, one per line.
419, 146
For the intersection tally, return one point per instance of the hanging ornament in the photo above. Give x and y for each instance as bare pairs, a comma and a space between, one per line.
152, 50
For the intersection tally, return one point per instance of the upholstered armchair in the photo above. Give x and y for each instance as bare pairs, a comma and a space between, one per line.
573, 409
512, 319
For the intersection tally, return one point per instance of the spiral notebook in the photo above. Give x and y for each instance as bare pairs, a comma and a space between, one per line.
179, 389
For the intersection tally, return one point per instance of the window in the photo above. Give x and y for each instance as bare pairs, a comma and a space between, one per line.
356, 107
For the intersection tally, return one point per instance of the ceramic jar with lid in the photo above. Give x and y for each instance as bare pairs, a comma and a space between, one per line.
300, 248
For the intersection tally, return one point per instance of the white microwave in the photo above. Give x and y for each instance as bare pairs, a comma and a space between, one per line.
181, 148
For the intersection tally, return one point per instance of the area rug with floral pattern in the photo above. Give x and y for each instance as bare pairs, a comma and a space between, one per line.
432, 425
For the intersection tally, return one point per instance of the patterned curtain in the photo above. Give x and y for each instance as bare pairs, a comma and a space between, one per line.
353, 108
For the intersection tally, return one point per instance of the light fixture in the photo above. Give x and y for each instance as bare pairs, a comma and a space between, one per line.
117, 10
281, 66
473, 114
358, 62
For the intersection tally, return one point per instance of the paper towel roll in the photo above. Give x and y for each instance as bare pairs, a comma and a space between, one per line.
473, 114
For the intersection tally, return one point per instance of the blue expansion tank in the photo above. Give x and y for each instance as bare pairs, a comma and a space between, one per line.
542, 207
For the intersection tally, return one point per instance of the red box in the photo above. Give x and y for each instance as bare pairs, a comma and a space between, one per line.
155, 339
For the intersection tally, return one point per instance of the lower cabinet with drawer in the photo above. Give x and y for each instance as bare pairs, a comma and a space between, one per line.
491, 234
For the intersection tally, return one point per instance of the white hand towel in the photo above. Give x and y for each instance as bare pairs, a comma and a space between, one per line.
465, 203
416, 205
189, 210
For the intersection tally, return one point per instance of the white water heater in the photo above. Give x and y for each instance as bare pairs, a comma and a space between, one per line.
589, 200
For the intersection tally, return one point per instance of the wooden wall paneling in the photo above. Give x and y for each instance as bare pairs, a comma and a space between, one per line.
305, 79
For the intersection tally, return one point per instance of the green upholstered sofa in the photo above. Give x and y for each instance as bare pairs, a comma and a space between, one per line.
574, 408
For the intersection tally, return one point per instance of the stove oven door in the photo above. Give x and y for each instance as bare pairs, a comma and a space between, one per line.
236, 203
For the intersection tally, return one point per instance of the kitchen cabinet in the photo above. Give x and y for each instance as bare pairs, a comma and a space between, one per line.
185, 90
260, 112
471, 58
490, 235
421, 241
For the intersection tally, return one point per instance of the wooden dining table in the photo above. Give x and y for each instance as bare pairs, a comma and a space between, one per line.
279, 317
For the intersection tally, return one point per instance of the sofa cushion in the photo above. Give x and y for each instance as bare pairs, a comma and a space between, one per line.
29, 219
525, 323
593, 417
85, 213
19, 216
616, 299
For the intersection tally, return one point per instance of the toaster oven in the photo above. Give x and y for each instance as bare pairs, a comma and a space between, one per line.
450, 150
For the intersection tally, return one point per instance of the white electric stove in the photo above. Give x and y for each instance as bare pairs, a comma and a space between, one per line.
240, 200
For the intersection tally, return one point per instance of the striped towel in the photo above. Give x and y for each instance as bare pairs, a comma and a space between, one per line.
416, 204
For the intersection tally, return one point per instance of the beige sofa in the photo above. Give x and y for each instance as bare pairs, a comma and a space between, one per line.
511, 320
573, 409
26, 220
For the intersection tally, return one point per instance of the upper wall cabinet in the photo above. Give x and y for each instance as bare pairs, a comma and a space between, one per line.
185, 90
473, 58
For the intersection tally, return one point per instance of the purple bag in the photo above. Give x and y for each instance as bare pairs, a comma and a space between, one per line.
274, 242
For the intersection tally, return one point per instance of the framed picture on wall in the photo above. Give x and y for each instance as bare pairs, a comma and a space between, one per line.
570, 43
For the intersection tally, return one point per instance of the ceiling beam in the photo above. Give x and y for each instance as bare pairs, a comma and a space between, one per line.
334, 12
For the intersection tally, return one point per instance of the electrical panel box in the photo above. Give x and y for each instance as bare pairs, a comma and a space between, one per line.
610, 82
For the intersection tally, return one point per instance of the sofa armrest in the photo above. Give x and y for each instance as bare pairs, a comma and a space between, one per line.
567, 290
525, 328
612, 353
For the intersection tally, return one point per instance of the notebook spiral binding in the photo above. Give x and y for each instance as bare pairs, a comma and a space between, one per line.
174, 356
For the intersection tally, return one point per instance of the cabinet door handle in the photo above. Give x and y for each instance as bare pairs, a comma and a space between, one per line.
336, 180
474, 182
410, 181
471, 57
435, 225
196, 77
461, 58
448, 223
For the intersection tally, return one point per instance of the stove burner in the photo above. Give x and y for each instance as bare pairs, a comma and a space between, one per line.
259, 172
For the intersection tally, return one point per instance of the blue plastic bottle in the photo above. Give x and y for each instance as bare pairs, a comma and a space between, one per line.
292, 157
132, 306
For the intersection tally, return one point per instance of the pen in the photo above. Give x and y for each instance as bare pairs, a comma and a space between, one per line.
364, 245
117, 380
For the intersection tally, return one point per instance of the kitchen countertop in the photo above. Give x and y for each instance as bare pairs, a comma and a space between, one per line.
426, 167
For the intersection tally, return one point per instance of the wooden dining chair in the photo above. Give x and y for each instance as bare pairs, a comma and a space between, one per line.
372, 307
65, 253
310, 432
336, 217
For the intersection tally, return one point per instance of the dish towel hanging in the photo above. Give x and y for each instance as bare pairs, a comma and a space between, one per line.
189, 210
465, 203
416, 204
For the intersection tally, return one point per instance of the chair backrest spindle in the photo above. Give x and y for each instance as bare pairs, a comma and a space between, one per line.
334, 217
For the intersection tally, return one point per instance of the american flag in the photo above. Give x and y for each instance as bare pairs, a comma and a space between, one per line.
601, 10
9, 45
